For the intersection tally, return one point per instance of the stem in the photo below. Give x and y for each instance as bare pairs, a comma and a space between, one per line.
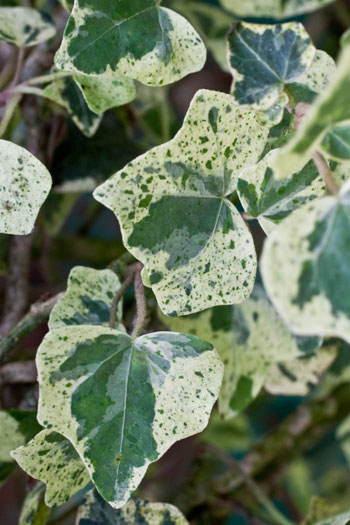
45, 79
251, 484
141, 307
19, 65
9, 110
27, 90
38, 314
18, 372
325, 173
128, 280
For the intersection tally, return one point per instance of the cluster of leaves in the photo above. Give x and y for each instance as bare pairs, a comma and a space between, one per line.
277, 147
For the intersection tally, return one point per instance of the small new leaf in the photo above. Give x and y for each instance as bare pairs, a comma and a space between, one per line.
24, 26
95, 511
138, 39
174, 213
122, 402
305, 266
24, 185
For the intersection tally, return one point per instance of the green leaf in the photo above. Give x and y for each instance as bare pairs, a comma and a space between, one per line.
95, 511
103, 93
51, 458
140, 40
34, 510
305, 266
24, 185
67, 93
174, 214
16, 428
88, 300
337, 142
270, 200
250, 338
331, 108
123, 402
266, 58
24, 26
272, 8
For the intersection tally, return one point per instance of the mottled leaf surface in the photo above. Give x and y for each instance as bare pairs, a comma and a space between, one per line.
339, 519
103, 93
336, 143
24, 185
67, 93
16, 428
52, 459
88, 299
95, 511
34, 510
172, 207
306, 267
122, 402
330, 109
138, 39
266, 58
24, 26
272, 8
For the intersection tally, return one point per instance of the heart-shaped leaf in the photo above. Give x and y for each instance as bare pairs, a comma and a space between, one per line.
24, 185
306, 267
266, 58
174, 212
123, 402
51, 458
138, 39
24, 26
95, 511
272, 8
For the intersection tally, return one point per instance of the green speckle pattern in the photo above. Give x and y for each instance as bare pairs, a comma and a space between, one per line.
51, 458
95, 511
88, 299
306, 267
174, 213
272, 8
121, 402
34, 510
16, 428
24, 26
24, 186
138, 39
266, 58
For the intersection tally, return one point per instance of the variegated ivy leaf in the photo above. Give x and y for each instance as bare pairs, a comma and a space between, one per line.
250, 339
123, 402
306, 267
343, 436
95, 511
339, 519
16, 428
322, 511
51, 458
24, 26
270, 200
34, 510
138, 39
331, 108
272, 8
266, 58
103, 93
88, 300
174, 213
68, 94
24, 185
336, 143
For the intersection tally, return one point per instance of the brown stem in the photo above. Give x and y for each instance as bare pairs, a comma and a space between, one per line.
325, 173
125, 285
141, 306
18, 372
19, 66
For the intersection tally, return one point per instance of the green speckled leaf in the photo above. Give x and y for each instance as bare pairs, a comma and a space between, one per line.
51, 458
339, 519
103, 93
337, 142
250, 338
34, 510
330, 108
266, 58
24, 26
272, 8
95, 511
16, 428
137, 39
306, 267
174, 214
270, 200
122, 402
67, 93
24, 185
88, 299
